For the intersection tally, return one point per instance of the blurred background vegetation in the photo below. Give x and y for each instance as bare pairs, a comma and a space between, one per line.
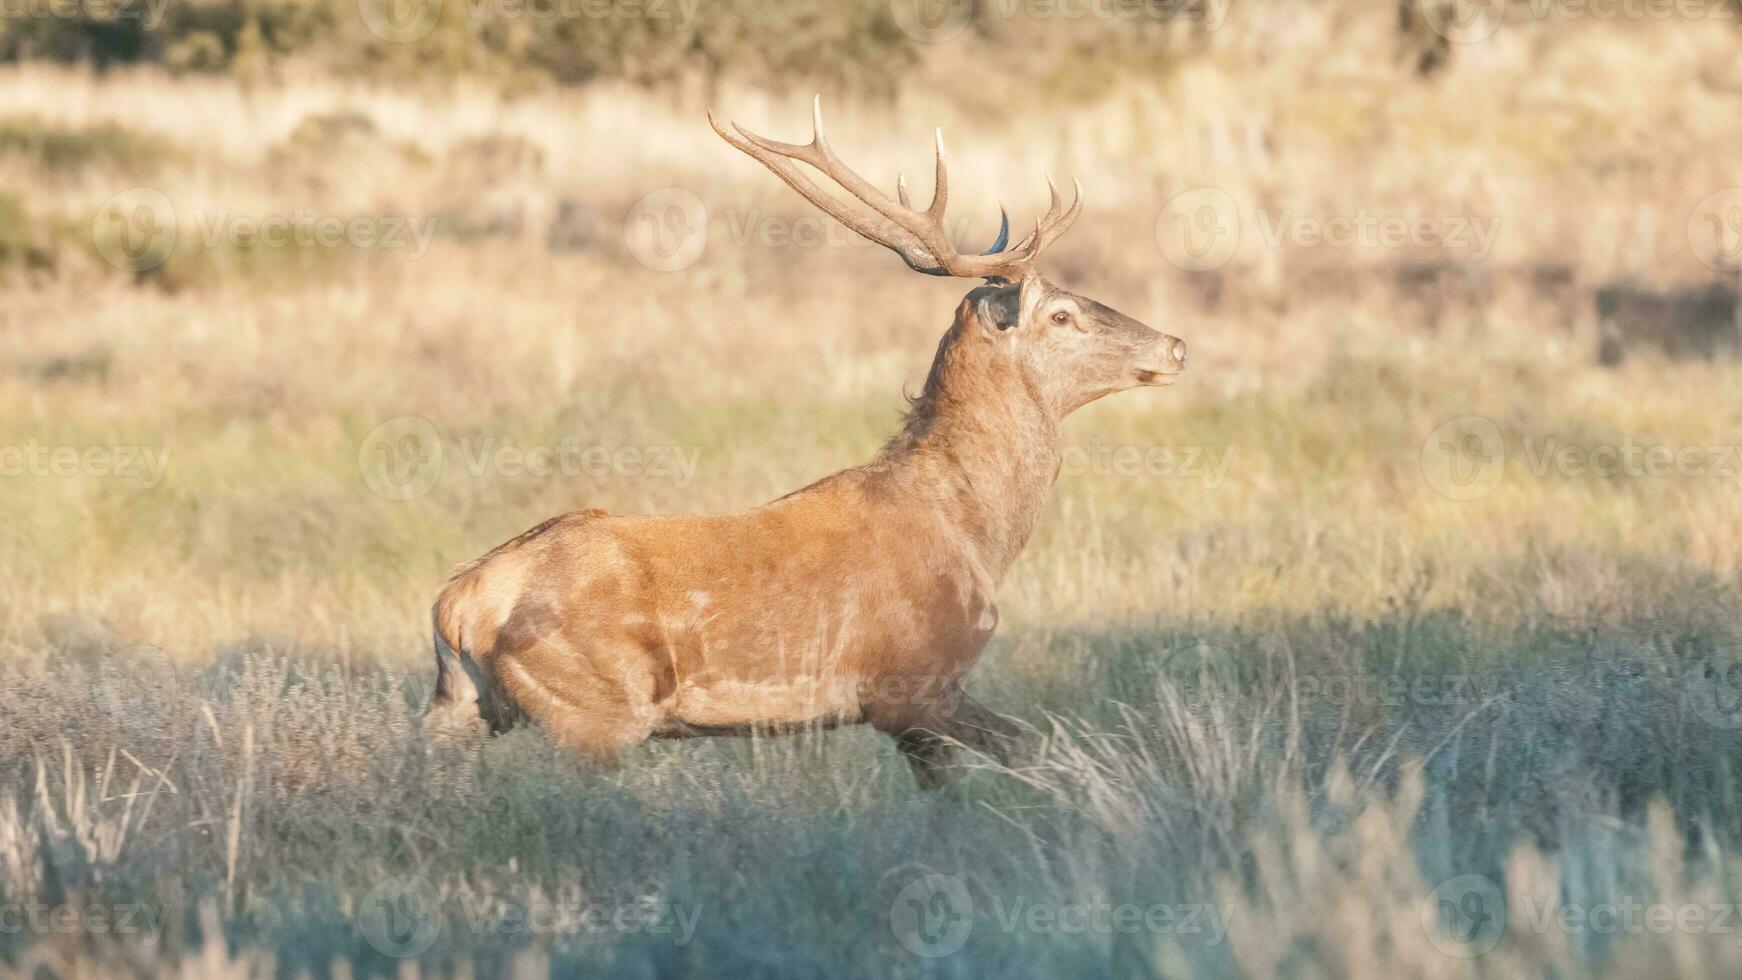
858, 41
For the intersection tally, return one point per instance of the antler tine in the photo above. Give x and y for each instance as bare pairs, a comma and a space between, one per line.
940, 195
775, 156
817, 153
1056, 227
1054, 202
917, 236
1047, 229
838, 171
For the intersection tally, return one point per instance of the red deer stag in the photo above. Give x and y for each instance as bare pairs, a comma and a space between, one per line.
863, 598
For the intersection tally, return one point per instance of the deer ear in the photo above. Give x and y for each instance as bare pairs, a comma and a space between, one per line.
999, 307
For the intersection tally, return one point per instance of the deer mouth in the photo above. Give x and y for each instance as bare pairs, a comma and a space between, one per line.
1157, 377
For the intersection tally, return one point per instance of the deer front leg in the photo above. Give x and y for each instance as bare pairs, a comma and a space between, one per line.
930, 742
932, 758
982, 729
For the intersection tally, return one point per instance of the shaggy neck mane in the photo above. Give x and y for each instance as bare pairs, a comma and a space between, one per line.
980, 443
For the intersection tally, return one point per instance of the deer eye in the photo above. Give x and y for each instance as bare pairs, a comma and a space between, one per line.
1061, 318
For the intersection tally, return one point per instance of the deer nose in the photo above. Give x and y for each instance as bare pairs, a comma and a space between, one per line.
1179, 352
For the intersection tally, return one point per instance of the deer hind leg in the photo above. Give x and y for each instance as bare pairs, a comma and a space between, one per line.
454, 710
594, 712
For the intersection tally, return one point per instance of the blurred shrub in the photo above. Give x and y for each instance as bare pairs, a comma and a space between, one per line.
61, 149
192, 35
562, 41
856, 43
17, 242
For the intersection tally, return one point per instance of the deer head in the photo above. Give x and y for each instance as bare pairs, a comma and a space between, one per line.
1070, 349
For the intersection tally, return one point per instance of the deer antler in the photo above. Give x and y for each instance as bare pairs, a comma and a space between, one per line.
917, 236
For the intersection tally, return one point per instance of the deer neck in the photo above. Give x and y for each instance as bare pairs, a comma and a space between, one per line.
980, 445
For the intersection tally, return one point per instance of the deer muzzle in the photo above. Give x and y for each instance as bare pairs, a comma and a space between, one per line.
1164, 363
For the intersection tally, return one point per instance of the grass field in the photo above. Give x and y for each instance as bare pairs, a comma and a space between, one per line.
1399, 639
